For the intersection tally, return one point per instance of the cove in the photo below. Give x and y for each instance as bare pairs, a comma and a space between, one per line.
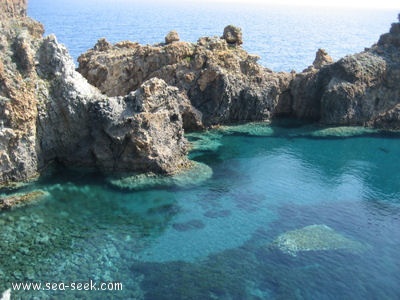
332, 194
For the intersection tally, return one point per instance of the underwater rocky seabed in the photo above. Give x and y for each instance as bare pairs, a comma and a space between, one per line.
283, 212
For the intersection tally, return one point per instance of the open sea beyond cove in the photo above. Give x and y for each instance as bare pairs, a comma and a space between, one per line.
285, 210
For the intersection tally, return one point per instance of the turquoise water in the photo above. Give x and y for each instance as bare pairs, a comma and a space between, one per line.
215, 239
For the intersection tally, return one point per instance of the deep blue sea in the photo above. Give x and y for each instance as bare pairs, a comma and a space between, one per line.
273, 211
286, 38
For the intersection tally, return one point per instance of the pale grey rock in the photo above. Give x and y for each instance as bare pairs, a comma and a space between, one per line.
315, 238
79, 126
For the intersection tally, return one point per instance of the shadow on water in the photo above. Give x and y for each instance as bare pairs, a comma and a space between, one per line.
85, 229
257, 270
82, 230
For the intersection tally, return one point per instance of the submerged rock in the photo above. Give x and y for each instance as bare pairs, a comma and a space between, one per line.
343, 131
194, 175
18, 200
315, 238
205, 141
189, 225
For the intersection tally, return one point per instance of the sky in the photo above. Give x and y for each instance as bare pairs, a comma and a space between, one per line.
331, 3
378, 4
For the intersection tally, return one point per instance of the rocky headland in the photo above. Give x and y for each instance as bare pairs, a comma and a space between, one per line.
128, 105
50, 113
226, 85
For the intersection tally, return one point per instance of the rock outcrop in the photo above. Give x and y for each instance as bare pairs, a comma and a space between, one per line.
50, 113
360, 89
13, 8
130, 112
226, 85
79, 126
233, 35
18, 103
171, 37
222, 81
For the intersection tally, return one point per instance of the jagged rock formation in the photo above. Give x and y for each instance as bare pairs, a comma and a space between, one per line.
227, 85
222, 81
13, 8
360, 89
49, 112
233, 35
171, 37
79, 126
18, 110
148, 94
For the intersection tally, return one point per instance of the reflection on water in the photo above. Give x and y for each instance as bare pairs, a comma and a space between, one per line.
215, 240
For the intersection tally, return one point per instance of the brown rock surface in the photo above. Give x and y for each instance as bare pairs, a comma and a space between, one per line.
13, 8
49, 112
226, 85
171, 37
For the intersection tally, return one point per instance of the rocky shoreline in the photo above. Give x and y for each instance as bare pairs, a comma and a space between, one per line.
127, 107
226, 84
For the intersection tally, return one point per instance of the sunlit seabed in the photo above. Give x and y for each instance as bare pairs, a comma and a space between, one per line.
217, 238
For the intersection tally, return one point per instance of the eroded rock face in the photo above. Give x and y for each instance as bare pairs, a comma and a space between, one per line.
224, 83
147, 94
360, 89
79, 126
18, 110
13, 8
233, 35
49, 112
315, 238
171, 37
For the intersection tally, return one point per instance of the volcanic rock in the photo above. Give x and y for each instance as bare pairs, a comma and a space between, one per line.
171, 37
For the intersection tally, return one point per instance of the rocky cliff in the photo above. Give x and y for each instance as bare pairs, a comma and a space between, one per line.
13, 8
132, 113
227, 85
222, 81
359, 89
50, 113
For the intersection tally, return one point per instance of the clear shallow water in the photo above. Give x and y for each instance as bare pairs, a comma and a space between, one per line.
286, 38
215, 239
